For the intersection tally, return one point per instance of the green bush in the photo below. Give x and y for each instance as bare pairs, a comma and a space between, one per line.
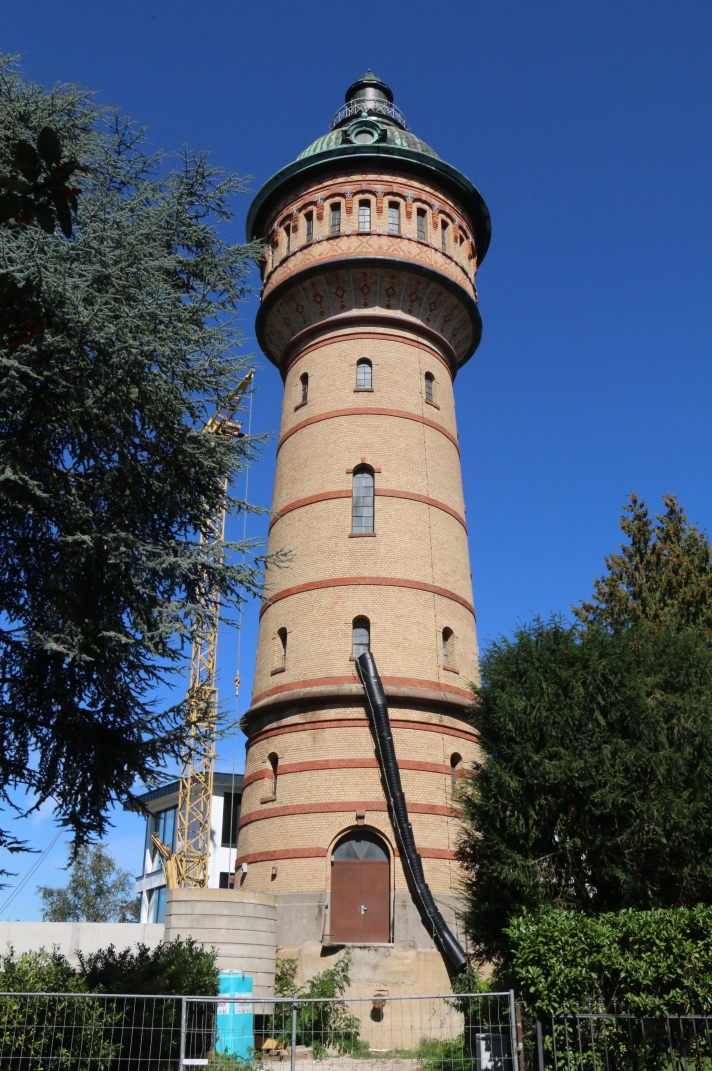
649, 962
325, 1027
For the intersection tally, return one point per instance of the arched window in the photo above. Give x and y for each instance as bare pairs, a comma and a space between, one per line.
362, 501
282, 636
364, 374
455, 761
429, 392
360, 636
359, 910
448, 648
364, 215
443, 235
273, 760
304, 380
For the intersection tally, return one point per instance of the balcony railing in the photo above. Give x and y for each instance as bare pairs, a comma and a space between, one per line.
372, 107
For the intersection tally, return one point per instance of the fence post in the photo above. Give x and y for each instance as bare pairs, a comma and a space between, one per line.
512, 1029
181, 1056
539, 1043
293, 1059
520, 1035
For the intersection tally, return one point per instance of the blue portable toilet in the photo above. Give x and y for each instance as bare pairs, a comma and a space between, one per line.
235, 1016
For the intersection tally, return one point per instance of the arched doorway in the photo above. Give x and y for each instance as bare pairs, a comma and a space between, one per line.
360, 889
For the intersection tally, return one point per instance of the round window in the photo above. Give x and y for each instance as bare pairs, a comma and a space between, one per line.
362, 846
365, 132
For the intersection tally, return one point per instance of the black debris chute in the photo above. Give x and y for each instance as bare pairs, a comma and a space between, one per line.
432, 919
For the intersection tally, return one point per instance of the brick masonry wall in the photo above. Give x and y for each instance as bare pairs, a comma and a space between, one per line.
411, 578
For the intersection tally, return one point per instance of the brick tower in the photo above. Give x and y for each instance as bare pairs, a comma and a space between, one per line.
369, 308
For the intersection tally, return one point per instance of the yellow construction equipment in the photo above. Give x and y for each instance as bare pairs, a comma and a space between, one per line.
187, 867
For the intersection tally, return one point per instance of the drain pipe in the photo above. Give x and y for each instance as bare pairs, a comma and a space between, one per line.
432, 919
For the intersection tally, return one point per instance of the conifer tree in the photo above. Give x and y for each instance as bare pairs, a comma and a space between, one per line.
106, 480
594, 792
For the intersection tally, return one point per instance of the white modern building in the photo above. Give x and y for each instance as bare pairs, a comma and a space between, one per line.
224, 827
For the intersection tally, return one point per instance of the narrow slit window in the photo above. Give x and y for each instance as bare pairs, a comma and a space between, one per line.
429, 391
336, 219
364, 215
360, 636
443, 235
282, 637
304, 381
448, 648
364, 375
288, 237
393, 218
274, 763
455, 761
421, 224
362, 502
310, 226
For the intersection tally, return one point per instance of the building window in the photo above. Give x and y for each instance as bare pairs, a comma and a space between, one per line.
274, 763
310, 226
336, 219
455, 761
448, 648
364, 375
231, 819
282, 637
224, 879
429, 392
304, 380
164, 824
362, 502
288, 236
421, 224
360, 636
157, 906
393, 218
364, 215
443, 235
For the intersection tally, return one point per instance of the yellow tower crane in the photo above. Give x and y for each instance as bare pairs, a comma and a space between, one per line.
187, 867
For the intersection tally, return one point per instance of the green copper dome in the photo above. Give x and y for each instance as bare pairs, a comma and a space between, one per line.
394, 136
369, 131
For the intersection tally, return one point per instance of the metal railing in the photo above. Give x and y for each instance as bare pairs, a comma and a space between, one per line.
379, 107
609, 1041
98, 1032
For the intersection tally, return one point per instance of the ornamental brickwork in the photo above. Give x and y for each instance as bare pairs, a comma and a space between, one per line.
399, 294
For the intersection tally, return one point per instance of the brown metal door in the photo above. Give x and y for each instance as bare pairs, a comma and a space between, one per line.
360, 901
375, 913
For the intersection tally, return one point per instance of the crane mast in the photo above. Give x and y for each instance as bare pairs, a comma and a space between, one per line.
187, 867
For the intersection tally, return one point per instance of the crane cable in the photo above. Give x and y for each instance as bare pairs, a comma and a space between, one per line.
33, 870
239, 649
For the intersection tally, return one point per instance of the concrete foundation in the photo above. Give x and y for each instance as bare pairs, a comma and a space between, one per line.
71, 937
241, 926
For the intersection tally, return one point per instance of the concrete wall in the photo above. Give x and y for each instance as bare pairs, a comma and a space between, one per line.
242, 926
70, 937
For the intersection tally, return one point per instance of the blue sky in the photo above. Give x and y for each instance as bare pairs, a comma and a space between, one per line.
587, 127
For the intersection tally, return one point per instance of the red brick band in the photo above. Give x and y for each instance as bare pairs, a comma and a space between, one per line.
401, 414
367, 581
349, 336
334, 682
353, 723
321, 853
327, 496
339, 807
343, 764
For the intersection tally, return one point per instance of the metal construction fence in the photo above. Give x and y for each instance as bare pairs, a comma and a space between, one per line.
610, 1041
97, 1032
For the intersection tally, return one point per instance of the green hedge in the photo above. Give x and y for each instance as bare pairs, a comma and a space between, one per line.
648, 962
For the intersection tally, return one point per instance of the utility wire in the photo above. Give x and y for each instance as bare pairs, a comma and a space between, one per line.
30, 872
